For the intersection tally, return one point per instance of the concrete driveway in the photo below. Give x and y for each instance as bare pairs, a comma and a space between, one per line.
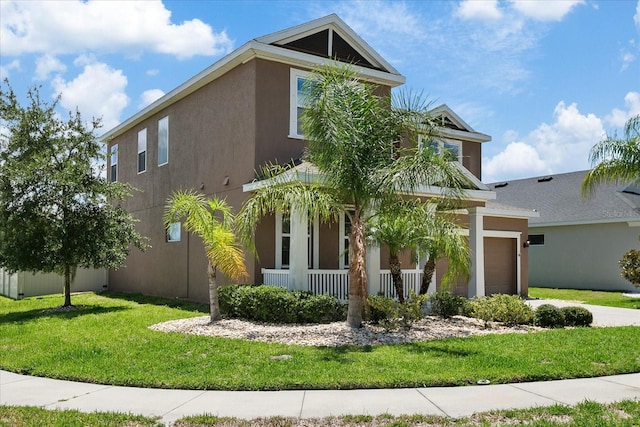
602, 316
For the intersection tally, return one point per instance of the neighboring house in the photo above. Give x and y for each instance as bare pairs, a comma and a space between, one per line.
575, 242
24, 284
216, 130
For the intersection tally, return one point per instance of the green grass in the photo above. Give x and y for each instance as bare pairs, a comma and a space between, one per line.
588, 414
610, 299
28, 416
108, 341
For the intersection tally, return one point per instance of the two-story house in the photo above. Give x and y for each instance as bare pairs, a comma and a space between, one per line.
216, 130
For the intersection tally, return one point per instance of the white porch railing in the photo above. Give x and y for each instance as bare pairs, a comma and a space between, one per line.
336, 282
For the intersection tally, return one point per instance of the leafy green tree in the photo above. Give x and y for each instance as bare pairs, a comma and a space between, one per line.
223, 251
617, 160
58, 212
365, 152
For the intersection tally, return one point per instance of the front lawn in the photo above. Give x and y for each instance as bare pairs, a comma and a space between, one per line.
607, 298
108, 341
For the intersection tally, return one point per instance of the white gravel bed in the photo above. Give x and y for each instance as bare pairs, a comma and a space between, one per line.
338, 333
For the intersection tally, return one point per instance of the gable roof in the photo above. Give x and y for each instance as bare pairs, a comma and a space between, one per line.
452, 125
281, 47
559, 201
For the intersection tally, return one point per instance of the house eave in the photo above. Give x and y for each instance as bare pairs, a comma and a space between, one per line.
242, 55
631, 222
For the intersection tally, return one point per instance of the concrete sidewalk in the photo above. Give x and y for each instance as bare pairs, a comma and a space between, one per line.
171, 405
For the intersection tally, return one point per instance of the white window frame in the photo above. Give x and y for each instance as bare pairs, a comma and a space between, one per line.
164, 142
442, 143
313, 245
343, 240
113, 163
294, 101
142, 149
174, 232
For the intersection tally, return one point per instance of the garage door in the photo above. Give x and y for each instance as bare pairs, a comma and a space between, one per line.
500, 266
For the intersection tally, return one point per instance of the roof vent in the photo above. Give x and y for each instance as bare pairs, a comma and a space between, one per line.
504, 184
546, 179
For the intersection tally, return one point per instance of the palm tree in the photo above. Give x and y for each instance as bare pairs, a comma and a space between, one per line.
615, 160
399, 231
442, 238
222, 249
354, 140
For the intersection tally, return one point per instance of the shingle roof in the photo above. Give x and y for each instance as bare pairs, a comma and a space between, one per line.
558, 199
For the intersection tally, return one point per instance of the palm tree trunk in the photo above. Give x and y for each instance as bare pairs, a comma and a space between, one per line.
396, 275
67, 286
357, 274
429, 269
214, 306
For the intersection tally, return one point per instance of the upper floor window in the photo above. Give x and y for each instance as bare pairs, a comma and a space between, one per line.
451, 149
163, 141
298, 99
174, 232
113, 162
142, 150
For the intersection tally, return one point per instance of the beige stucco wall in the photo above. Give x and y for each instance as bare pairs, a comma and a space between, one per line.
582, 256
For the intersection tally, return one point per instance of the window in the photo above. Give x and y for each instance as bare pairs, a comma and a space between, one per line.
283, 241
163, 141
536, 239
298, 99
452, 149
114, 163
345, 231
173, 232
142, 150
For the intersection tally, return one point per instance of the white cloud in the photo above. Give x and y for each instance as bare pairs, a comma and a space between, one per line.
152, 72
518, 159
6, 69
68, 27
47, 64
99, 91
479, 9
636, 17
544, 10
617, 117
149, 96
562, 146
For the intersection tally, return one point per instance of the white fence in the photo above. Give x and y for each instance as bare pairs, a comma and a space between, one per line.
336, 282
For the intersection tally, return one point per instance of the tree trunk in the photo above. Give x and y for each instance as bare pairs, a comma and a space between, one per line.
429, 269
67, 286
396, 275
214, 306
357, 274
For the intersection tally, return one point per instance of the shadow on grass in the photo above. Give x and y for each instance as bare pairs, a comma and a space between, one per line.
58, 312
159, 301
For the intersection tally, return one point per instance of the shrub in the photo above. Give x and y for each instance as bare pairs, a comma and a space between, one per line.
391, 314
508, 309
549, 316
630, 266
278, 305
445, 304
577, 316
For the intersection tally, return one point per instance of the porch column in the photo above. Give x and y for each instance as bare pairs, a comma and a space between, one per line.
476, 249
373, 269
298, 256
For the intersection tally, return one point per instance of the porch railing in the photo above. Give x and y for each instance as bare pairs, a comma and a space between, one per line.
336, 282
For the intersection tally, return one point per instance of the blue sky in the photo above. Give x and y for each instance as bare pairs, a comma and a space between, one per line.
546, 79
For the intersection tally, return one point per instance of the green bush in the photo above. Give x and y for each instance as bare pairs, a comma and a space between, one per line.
508, 309
392, 315
445, 304
577, 316
549, 316
278, 305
